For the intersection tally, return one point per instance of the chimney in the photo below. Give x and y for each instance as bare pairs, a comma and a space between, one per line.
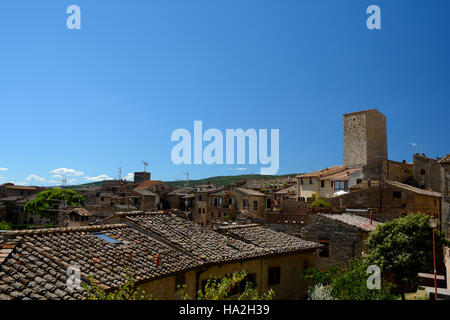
158, 260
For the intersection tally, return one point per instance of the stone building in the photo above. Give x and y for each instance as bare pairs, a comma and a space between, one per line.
250, 203
388, 170
183, 199
389, 200
222, 206
140, 177
326, 182
12, 204
427, 173
343, 237
161, 251
445, 192
365, 138
202, 207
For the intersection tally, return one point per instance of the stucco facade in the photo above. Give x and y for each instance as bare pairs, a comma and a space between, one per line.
290, 286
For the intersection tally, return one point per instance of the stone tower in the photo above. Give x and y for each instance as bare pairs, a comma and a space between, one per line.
141, 176
365, 138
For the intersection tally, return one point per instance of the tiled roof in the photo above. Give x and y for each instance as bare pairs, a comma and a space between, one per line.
413, 189
33, 263
445, 159
249, 192
291, 189
230, 243
12, 186
37, 266
144, 192
340, 176
353, 220
181, 191
82, 212
148, 184
199, 241
322, 172
266, 238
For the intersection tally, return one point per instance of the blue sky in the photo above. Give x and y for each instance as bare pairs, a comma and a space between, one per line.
110, 95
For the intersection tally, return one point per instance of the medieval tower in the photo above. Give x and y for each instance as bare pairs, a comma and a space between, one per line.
365, 138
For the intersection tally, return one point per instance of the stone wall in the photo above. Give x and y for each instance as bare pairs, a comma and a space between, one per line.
388, 170
408, 202
345, 242
427, 173
365, 137
445, 199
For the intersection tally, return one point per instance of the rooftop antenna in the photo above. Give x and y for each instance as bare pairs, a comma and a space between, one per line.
120, 173
187, 178
145, 165
64, 181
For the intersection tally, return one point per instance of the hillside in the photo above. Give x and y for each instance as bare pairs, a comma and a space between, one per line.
226, 180
219, 180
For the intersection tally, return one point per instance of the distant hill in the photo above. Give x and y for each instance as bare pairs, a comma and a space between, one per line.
227, 180
219, 180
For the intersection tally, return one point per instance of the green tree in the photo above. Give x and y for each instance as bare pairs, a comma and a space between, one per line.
126, 291
5, 225
402, 248
221, 289
47, 202
347, 283
320, 204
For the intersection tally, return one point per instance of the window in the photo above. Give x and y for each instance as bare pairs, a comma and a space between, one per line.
199, 198
106, 238
301, 180
212, 215
322, 184
325, 250
339, 185
180, 280
240, 288
358, 181
397, 194
422, 171
274, 276
255, 205
245, 203
310, 181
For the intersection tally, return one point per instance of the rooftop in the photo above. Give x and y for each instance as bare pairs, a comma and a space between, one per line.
322, 172
361, 223
34, 263
249, 192
445, 159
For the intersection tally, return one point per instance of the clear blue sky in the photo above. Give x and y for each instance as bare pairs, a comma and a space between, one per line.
110, 95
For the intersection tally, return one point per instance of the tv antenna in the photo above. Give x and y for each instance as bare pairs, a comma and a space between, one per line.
145, 165
120, 173
187, 178
64, 181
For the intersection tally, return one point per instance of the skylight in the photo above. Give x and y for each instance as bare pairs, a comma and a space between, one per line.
107, 238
